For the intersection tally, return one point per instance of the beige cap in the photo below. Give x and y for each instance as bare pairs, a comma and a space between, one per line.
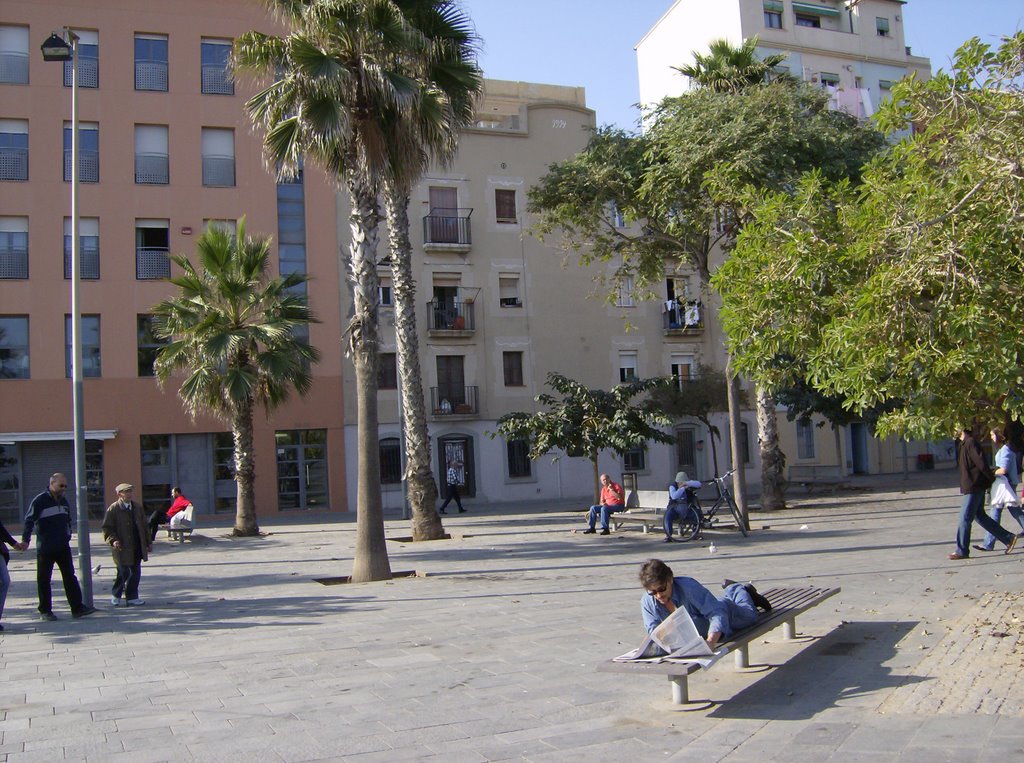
681, 477
123, 487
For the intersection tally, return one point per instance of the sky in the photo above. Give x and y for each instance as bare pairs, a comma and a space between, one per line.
590, 43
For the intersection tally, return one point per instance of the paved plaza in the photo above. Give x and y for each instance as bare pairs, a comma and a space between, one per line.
240, 655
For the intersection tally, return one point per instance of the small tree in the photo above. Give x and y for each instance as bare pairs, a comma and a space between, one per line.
583, 422
232, 330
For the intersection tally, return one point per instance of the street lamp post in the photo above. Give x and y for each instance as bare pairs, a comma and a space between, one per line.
58, 48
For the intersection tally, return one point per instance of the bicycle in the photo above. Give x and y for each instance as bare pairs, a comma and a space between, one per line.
694, 518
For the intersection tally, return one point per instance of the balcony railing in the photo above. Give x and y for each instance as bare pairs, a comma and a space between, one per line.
88, 71
152, 169
14, 68
152, 263
450, 316
13, 164
454, 401
14, 262
447, 227
88, 259
151, 75
219, 171
683, 316
88, 166
217, 80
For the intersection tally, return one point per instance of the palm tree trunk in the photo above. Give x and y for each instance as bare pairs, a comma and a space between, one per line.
245, 474
371, 554
419, 479
773, 460
739, 479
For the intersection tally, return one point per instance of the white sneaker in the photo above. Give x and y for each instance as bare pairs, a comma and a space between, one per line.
115, 601
136, 602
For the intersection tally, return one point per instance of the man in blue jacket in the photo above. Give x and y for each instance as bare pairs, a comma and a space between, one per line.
50, 515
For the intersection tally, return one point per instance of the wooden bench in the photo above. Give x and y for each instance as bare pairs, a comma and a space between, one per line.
787, 603
188, 524
643, 507
830, 477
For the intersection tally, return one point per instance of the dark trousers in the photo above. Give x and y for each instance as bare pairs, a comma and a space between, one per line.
453, 492
127, 581
44, 571
156, 519
973, 510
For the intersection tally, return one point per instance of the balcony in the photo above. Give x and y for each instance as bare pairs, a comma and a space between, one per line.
88, 166
452, 319
13, 163
447, 230
151, 75
152, 169
88, 71
13, 262
13, 67
88, 258
219, 171
152, 263
217, 80
454, 401
683, 318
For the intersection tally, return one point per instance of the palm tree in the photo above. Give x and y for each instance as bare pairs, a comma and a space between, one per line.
728, 69
450, 80
232, 329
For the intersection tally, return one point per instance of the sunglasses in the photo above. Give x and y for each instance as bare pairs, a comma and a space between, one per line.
658, 591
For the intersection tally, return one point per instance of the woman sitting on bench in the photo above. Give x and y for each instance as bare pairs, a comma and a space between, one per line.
714, 618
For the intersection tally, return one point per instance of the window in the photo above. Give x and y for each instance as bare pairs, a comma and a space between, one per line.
216, 71
14, 347
225, 499
773, 19
634, 460
828, 79
88, 60
218, 157
390, 461
13, 54
151, 62
301, 469
744, 442
151, 160
804, 19
152, 249
616, 217
627, 366
518, 452
885, 85
682, 369
505, 205
88, 152
882, 26
13, 149
90, 346
513, 365
387, 374
13, 247
227, 226
384, 291
804, 439
88, 248
508, 290
148, 344
291, 226
625, 292
94, 477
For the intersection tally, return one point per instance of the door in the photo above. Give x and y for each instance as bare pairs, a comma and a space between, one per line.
457, 450
451, 380
444, 215
192, 461
445, 308
859, 448
686, 451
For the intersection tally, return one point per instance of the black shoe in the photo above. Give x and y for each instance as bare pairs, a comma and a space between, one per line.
606, 531
83, 612
441, 511
591, 531
47, 616
759, 601
1, 629
462, 511
669, 540
977, 547
726, 583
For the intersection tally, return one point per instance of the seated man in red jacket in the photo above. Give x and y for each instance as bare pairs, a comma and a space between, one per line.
178, 504
612, 500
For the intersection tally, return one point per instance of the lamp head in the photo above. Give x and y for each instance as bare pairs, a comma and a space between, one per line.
56, 48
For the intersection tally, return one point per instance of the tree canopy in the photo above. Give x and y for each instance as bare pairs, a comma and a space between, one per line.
904, 292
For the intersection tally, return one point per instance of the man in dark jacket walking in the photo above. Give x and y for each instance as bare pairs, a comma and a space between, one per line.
126, 530
976, 476
50, 515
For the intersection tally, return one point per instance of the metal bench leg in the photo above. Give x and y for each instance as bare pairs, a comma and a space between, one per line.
743, 656
680, 690
789, 629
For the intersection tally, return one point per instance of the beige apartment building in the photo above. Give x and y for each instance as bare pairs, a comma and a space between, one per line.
166, 149
854, 49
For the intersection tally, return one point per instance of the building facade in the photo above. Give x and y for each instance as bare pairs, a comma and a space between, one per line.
166, 150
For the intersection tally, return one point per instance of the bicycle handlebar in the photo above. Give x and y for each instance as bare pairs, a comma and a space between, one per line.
715, 480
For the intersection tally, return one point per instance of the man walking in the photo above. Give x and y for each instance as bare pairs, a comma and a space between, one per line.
975, 478
50, 515
125, 529
453, 478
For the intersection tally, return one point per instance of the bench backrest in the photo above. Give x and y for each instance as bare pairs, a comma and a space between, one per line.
652, 499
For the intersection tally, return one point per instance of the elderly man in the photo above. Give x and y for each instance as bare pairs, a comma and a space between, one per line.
125, 529
50, 516
612, 500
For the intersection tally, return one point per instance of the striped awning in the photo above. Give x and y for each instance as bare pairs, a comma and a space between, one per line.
817, 10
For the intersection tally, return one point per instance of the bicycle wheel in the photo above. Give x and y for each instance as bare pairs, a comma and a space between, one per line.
736, 515
689, 524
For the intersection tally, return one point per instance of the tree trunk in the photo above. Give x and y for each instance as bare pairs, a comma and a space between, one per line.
739, 480
419, 479
714, 448
773, 460
245, 474
597, 477
371, 554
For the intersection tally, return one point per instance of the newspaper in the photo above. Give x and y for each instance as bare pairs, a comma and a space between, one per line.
674, 640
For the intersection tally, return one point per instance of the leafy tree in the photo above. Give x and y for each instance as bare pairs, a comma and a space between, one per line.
232, 330
730, 69
905, 292
583, 422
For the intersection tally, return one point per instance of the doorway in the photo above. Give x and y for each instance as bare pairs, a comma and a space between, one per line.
457, 451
